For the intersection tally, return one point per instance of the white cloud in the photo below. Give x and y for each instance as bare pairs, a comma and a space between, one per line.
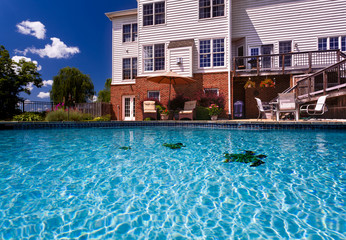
47, 83
94, 98
30, 86
26, 59
43, 95
57, 49
36, 29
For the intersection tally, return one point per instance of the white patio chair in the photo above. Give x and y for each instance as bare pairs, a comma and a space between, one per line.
261, 112
149, 110
315, 109
287, 104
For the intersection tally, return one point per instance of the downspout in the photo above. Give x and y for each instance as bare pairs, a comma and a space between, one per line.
229, 58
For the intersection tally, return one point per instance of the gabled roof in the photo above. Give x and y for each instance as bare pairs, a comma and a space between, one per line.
128, 12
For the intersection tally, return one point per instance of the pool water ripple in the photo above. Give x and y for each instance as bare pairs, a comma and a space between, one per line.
78, 184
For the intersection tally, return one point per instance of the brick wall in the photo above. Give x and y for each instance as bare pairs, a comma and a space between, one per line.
142, 86
282, 82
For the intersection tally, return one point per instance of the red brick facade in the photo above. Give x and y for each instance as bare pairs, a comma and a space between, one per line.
142, 86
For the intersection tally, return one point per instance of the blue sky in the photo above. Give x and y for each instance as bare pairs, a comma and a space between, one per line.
61, 33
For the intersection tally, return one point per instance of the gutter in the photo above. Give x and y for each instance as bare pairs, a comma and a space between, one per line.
229, 58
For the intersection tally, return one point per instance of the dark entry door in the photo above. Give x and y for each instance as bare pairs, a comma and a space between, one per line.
266, 61
285, 47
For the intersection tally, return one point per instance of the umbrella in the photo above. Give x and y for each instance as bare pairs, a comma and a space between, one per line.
171, 78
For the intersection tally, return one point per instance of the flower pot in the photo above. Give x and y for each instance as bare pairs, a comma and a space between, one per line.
214, 117
164, 117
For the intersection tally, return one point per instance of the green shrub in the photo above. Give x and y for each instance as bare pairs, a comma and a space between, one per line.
202, 113
29, 117
147, 119
102, 118
63, 115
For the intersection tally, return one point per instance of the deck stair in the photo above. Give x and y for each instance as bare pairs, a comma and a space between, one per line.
330, 80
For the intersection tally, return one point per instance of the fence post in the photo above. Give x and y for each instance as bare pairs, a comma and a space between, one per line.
258, 66
309, 87
324, 82
23, 103
310, 62
283, 63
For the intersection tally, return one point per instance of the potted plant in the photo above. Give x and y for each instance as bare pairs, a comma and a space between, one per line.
214, 111
267, 83
164, 114
250, 84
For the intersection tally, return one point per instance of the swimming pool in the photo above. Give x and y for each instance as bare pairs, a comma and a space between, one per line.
78, 183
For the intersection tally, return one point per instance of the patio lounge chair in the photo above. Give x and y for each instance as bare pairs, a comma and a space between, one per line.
189, 110
149, 110
315, 109
266, 114
287, 104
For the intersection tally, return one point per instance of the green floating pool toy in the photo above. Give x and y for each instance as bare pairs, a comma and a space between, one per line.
173, 145
125, 148
246, 157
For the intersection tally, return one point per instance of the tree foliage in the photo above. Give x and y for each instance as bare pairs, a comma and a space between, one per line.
105, 94
71, 86
14, 77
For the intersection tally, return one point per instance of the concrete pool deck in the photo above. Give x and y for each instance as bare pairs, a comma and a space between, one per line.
228, 124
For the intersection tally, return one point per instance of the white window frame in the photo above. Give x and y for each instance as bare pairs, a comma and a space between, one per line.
154, 91
131, 33
153, 58
211, 10
131, 69
211, 53
328, 42
212, 89
154, 14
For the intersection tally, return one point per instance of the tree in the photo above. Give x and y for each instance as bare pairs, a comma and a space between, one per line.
71, 86
14, 77
105, 94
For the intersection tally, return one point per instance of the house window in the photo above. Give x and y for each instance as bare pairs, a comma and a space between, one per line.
130, 32
219, 52
212, 53
211, 91
322, 44
254, 51
153, 13
154, 57
129, 68
211, 8
333, 43
154, 95
343, 43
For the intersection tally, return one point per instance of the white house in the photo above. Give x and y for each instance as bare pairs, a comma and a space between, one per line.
220, 44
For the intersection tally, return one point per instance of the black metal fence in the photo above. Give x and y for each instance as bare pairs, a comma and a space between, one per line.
35, 106
96, 109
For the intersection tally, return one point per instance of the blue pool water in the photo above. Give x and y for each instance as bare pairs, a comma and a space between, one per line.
78, 184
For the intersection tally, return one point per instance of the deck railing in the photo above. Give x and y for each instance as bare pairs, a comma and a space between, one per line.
327, 80
280, 63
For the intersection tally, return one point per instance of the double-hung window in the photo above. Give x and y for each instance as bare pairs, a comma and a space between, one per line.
129, 68
334, 43
130, 32
343, 44
322, 44
212, 53
211, 8
154, 13
154, 57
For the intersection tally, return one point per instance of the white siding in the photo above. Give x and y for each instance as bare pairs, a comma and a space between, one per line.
302, 21
121, 50
185, 67
182, 22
